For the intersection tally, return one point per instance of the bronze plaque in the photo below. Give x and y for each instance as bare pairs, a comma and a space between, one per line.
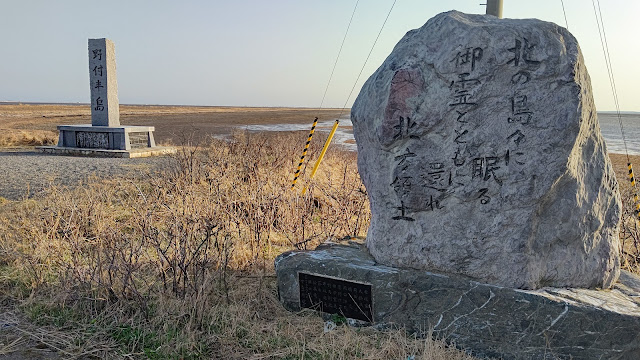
336, 296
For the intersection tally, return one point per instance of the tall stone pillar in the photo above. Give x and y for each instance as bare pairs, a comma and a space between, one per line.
105, 136
494, 7
104, 84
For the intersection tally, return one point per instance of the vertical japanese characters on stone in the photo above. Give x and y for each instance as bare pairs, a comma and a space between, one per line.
104, 85
479, 146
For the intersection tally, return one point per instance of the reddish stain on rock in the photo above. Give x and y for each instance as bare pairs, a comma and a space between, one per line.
397, 123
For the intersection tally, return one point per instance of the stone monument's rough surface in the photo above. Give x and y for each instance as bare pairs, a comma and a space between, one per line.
481, 152
105, 109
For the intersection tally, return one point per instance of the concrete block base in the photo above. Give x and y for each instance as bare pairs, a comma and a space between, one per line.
106, 137
106, 141
486, 320
133, 153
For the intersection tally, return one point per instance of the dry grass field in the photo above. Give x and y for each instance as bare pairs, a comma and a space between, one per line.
174, 124
179, 263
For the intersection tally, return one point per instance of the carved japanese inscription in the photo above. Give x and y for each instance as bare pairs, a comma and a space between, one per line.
336, 296
102, 79
480, 149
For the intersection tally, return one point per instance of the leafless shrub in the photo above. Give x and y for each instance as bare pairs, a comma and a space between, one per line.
180, 265
226, 205
629, 231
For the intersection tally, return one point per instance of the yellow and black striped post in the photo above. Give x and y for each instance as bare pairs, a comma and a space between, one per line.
324, 150
304, 153
635, 193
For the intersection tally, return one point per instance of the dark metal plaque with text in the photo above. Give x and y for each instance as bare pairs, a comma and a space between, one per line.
336, 296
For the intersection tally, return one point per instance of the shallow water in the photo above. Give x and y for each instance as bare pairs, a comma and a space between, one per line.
343, 135
609, 125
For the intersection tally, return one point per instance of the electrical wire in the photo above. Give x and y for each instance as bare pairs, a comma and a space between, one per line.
339, 52
607, 58
351, 92
367, 59
565, 14
315, 122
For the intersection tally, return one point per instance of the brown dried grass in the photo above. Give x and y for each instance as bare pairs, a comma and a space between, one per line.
17, 138
629, 225
180, 265
172, 123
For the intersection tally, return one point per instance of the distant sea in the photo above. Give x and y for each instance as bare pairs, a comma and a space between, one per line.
609, 125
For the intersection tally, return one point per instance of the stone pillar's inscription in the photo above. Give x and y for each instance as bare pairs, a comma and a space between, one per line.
336, 296
481, 153
104, 87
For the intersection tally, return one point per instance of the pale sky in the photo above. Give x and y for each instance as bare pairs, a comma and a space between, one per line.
259, 52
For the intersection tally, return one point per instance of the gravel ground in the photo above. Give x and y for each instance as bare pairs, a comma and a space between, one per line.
26, 172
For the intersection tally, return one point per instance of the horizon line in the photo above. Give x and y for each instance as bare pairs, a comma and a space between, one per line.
12, 102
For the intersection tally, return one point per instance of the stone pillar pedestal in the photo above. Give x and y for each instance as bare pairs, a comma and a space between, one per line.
105, 141
105, 137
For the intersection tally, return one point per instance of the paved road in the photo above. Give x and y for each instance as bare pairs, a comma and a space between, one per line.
26, 172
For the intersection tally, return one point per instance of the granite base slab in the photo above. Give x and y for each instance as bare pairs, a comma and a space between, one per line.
485, 320
133, 153
106, 137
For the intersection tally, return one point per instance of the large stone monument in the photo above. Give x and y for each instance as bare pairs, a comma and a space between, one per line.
495, 209
105, 136
479, 146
